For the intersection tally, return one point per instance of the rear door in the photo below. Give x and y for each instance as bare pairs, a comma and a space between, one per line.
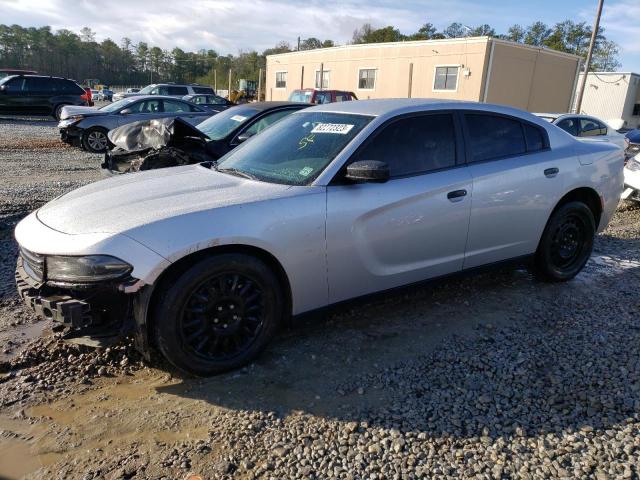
516, 182
414, 226
176, 108
39, 93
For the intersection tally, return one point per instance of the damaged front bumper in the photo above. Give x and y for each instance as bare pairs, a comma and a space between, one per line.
117, 161
95, 310
71, 136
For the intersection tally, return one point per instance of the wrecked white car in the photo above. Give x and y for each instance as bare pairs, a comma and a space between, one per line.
338, 201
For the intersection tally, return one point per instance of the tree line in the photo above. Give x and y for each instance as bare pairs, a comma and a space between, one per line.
80, 56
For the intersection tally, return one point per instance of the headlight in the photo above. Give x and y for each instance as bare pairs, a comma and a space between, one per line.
87, 269
70, 121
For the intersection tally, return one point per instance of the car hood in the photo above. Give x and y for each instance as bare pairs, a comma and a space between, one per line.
119, 204
72, 111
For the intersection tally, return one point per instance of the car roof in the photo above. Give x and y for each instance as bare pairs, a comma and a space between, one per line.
394, 106
165, 97
274, 104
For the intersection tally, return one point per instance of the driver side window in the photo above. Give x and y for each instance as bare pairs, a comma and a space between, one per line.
414, 145
16, 85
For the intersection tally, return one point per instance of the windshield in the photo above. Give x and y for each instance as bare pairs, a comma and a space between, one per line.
146, 89
223, 123
296, 149
115, 106
300, 96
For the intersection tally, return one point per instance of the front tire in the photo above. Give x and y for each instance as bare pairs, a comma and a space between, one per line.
57, 111
95, 140
566, 244
217, 315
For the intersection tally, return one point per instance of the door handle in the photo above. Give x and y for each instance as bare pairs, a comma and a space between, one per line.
551, 172
456, 195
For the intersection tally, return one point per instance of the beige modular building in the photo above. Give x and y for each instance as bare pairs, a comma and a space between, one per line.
480, 69
613, 96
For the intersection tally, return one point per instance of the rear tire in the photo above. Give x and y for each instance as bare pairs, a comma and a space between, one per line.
566, 244
217, 315
95, 140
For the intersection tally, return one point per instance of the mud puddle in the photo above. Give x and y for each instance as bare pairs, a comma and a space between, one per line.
13, 341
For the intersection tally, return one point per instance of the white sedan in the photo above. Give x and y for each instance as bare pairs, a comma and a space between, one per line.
333, 202
585, 127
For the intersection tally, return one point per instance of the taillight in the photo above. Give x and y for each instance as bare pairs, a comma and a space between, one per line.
87, 95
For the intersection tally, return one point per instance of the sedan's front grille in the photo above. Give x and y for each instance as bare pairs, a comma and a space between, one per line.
33, 264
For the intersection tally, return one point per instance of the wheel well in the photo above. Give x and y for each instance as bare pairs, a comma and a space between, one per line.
586, 195
180, 266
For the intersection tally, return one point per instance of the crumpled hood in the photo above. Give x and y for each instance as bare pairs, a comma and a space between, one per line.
128, 201
72, 110
156, 133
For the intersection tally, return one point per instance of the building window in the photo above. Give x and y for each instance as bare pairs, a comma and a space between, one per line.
281, 79
367, 79
636, 110
446, 78
325, 79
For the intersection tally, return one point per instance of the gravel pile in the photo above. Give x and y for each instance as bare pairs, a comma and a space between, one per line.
50, 367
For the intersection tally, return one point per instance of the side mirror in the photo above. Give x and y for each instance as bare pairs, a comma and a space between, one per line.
368, 171
125, 111
243, 137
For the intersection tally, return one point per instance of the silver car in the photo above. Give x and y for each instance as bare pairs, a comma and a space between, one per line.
87, 127
331, 203
585, 127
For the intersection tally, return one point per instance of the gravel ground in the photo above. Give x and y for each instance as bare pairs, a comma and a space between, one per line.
490, 376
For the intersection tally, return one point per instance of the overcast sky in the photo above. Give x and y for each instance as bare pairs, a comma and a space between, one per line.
230, 26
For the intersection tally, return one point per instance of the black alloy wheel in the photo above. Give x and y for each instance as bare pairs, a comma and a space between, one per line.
218, 314
567, 242
222, 317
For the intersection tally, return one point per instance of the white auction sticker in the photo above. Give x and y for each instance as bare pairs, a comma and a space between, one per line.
238, 118
340, 128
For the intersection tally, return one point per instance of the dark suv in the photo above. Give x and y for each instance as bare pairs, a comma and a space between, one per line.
39, 95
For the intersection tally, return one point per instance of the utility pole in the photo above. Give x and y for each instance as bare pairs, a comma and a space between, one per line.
229, 95
587, 64
298, 43
259, 84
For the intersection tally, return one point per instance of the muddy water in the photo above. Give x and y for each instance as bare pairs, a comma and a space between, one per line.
20, 336
115, 414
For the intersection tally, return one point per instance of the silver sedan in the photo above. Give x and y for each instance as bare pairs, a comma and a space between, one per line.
87, 127
331, 203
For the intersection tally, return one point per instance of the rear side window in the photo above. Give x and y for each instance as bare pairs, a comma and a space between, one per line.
414, 145
67, 86
533, 137
207, 90
39, 85
178, 91
591, 128
176, 107
493, 136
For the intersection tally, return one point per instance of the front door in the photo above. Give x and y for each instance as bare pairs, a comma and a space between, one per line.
414, 226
